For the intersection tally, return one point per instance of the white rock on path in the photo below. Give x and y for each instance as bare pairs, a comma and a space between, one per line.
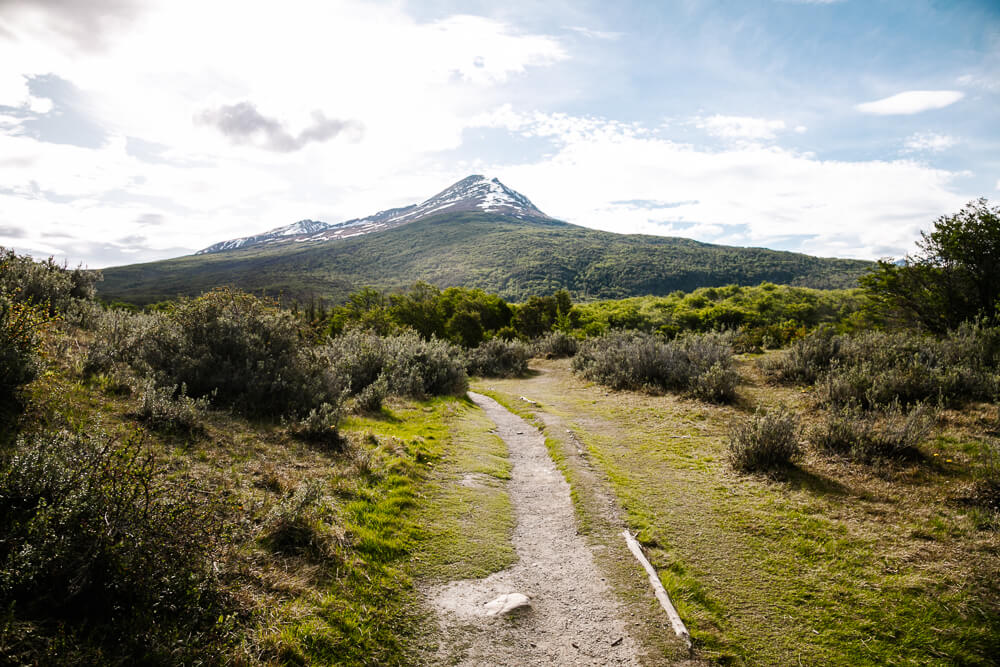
508, 603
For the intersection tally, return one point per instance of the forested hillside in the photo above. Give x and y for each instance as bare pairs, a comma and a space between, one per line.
501, 255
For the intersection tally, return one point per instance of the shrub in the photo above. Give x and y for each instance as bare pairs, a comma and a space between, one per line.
44, 283
419, 368
371, 397
322, 424
170, 409
764, 441
499, 358
95, 540
298, 524
716, 385
867, 436
874, 368
555, 345
120, 339
700, 364
411, 365
19, 342
805, 358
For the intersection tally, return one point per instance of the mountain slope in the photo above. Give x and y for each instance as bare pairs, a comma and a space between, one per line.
473, 193
509, 256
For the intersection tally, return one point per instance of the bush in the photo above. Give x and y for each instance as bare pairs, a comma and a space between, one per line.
322, 424
716, 385
805, 359
371, 397
700, 364
170, 409
243, 351
555, 345
19, 342
867, 436
411, 365
875, 369
95, 540
44, 283
298, 525
499, 358
419, 368
764, 441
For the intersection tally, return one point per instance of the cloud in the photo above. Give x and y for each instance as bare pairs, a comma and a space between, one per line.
243, 124
651, 203
150, 219
595, 34
989, 84
911, 102
11, 232
740, 127
928, 142
88, 25
597, 175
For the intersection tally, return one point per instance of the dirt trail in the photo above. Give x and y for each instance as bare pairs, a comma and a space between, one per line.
574, 618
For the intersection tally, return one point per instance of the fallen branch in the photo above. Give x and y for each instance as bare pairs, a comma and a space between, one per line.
661, 593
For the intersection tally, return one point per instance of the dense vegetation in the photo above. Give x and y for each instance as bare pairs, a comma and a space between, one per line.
512, 258
954, 276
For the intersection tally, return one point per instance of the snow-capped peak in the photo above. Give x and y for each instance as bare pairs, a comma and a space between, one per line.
475, 193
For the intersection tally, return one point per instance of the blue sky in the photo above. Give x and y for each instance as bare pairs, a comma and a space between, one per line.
133, 130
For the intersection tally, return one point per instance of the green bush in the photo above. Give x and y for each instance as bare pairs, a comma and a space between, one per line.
411, 365
499, 358
555, 345
243, 351
867, 436
20, 326
876, 368
370, 398
170, 409
764, 441
420, 368
44, 283
699, 364
96, 542
322, 424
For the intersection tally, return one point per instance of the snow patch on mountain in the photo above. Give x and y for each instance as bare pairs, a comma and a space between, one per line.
474, 193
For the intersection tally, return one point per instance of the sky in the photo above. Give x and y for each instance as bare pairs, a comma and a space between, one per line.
136, 130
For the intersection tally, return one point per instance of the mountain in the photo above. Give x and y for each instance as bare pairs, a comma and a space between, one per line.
473, 193
477, 233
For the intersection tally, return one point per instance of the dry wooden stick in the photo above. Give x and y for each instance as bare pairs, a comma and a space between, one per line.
661, 593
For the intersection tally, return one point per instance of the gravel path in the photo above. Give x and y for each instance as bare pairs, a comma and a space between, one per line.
573, 618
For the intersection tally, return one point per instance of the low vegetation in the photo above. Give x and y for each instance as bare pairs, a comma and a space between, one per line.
765, 440
700, 365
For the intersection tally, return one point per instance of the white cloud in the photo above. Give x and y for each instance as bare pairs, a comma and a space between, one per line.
746, 195
911, 102
741, 127
929, 142
989, 84
595, 34
411, 85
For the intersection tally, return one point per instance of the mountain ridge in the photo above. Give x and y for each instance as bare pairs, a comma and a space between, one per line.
475, 192
497, 253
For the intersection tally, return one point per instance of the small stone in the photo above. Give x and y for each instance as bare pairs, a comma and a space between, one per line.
507, 604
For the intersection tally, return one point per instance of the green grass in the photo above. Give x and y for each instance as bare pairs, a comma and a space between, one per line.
512, 258
467, 518
832, 564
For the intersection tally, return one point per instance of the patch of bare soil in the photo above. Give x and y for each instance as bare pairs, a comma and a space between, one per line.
573, 617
